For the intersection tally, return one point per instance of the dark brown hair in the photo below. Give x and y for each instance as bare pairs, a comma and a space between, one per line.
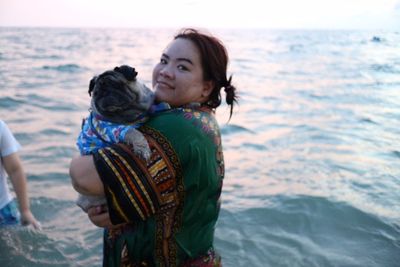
214, 61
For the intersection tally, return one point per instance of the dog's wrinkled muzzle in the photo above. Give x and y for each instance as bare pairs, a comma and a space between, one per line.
147, 98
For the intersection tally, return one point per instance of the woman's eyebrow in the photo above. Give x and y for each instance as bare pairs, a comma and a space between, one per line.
178, 59
185, 59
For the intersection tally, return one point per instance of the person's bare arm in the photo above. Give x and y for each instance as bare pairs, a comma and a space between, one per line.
84, 176
86, 180
13, 166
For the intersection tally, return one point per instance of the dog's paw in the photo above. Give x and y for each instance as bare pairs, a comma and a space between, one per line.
138, 143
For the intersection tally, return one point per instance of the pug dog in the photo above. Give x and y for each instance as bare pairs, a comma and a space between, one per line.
119, 103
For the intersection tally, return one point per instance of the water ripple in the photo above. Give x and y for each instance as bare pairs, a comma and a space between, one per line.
235, 129
385, 68
10, 103
396, 153
64, 68
307, 231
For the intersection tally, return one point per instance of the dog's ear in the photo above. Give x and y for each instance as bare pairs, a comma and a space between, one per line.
128, 72
91, 85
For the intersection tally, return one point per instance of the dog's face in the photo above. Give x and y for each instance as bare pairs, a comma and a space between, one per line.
118, 96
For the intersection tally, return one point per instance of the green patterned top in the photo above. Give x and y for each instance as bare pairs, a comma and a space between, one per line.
167, 207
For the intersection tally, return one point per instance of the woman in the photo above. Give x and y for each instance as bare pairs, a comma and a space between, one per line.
163, 212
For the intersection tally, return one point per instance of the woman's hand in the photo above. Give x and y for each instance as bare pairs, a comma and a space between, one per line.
99, 216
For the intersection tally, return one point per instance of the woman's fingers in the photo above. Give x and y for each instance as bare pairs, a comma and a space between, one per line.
99, 216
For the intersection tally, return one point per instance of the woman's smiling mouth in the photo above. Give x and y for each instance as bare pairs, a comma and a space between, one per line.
164, 85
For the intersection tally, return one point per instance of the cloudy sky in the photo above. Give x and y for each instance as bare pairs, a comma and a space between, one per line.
327, 14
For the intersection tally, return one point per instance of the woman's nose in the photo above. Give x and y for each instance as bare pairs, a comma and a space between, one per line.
166, 72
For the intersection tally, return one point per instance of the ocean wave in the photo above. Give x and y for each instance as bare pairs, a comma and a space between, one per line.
234, 129
385, 68
64, 68
256, 147
368, 120
38, 56
10, 103
47, 103
306, 231
28, 247
376, 39
396, 153
52, 132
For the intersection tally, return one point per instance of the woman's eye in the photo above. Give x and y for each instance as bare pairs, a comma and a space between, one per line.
163, 61
181, 67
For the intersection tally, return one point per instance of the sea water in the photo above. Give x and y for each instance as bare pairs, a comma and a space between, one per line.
312, 151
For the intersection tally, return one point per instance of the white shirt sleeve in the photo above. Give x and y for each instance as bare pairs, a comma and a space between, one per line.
8, 143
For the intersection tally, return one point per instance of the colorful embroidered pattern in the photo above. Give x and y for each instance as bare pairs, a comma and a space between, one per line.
167, 174
203, 119
152, 188
129, 183
211, 259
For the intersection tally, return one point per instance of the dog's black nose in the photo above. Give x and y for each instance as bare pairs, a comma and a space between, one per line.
128, 72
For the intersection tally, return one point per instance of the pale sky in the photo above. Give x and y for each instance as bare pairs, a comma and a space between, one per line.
314, 14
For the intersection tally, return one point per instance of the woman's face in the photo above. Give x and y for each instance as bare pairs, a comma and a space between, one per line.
178, 77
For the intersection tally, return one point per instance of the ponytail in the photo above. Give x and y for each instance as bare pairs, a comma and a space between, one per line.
231, 96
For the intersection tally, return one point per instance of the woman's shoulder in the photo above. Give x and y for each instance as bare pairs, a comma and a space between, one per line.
186, 120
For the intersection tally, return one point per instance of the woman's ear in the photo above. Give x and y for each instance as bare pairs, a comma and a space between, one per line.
208, 88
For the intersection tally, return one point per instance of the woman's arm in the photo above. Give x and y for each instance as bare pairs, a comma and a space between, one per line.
84, 176
14, 169
86, 180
